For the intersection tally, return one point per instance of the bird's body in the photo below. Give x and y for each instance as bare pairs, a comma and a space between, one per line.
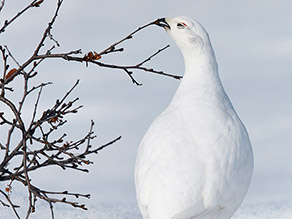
195, 161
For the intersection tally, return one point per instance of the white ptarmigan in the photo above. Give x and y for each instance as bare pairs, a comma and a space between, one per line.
196, 160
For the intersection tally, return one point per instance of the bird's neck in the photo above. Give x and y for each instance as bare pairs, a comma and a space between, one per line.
201, 79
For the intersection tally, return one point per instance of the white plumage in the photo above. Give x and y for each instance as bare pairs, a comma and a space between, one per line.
195, 161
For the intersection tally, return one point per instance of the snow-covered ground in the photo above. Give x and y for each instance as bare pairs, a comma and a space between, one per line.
269, 210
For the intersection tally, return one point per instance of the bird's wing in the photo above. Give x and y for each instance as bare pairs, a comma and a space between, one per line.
194, 211
199, 211
159, 157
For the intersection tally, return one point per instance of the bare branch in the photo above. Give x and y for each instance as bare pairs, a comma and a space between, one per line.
41, 43
48, 29
8, 22
2, 4
150, 57
10, 203
68, 56
134, 81
126, 68
10, 55
112, 48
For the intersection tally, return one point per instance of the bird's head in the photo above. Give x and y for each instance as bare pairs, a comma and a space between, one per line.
187, 33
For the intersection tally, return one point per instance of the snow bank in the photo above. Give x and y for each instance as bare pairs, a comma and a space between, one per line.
271, 210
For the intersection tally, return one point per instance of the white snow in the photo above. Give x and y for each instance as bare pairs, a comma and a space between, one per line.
270, 210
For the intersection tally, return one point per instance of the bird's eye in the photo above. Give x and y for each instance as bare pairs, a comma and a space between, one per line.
180, 26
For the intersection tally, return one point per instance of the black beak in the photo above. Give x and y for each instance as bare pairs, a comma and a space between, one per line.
162, 23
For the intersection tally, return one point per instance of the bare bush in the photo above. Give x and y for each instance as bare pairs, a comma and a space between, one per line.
33, 145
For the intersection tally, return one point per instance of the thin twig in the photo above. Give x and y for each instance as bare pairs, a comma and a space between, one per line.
2, 5
7, 23
10, 55
48, 29
150, 57
111, 48
11, 204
